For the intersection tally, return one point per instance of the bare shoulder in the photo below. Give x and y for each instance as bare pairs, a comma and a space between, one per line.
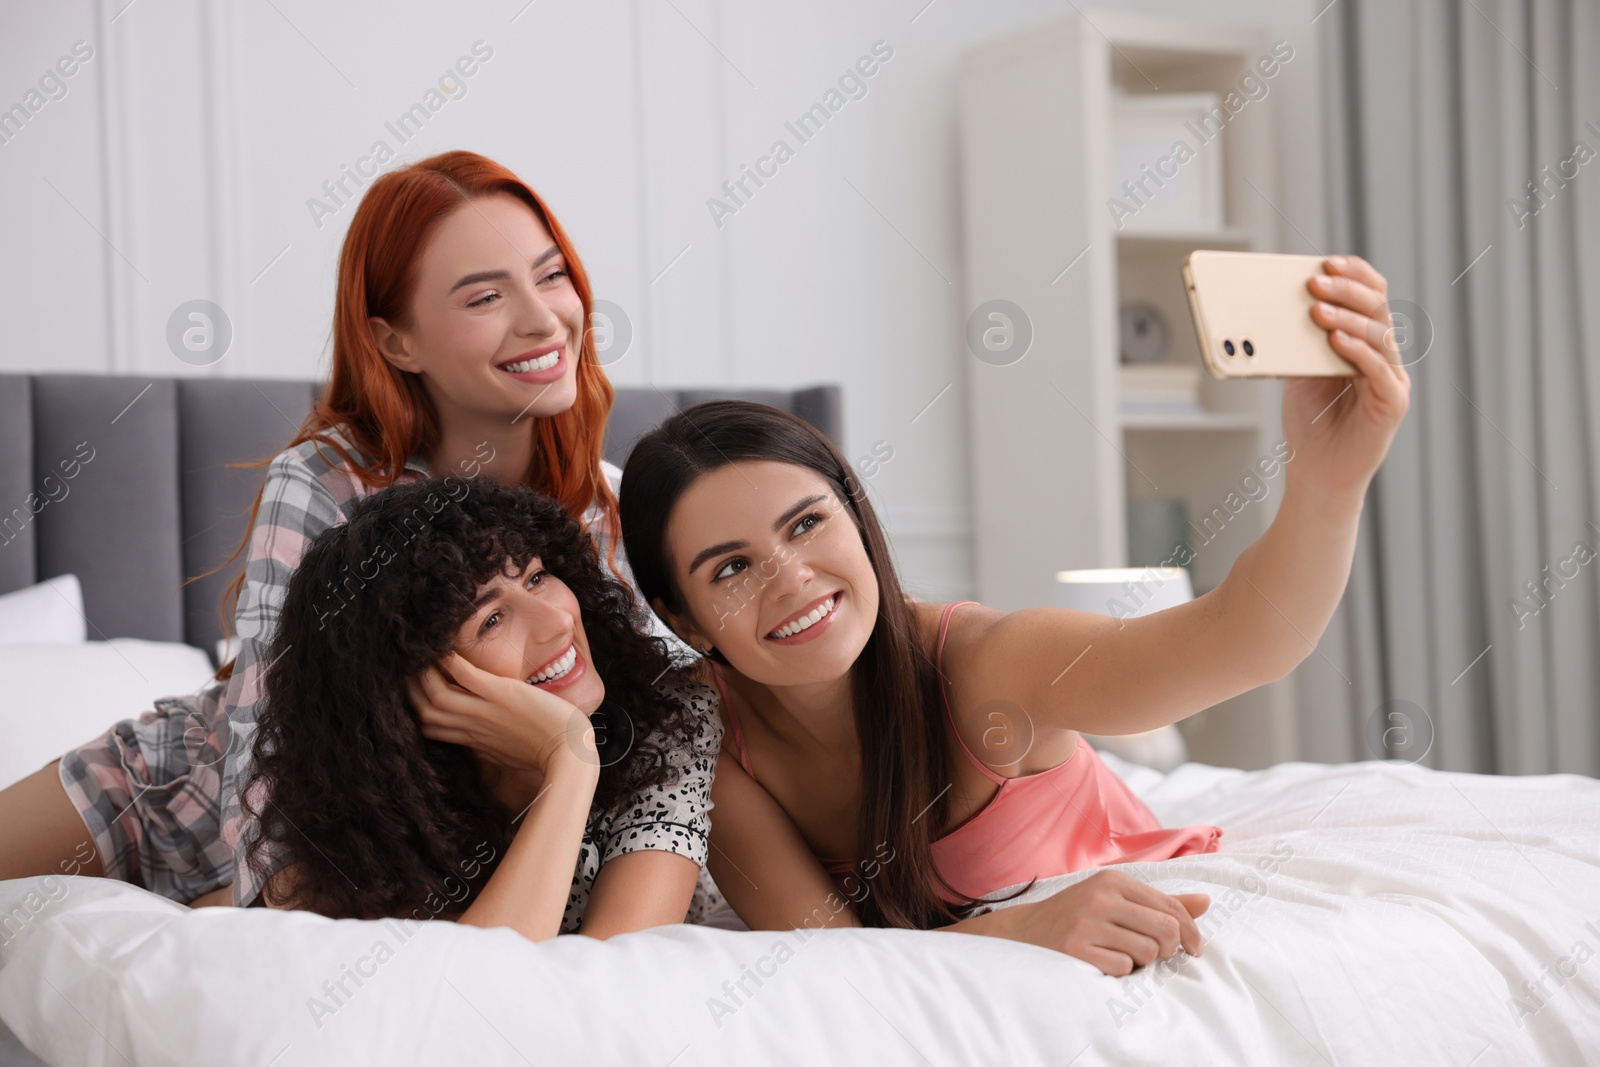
992, 670
961, 661
969, 623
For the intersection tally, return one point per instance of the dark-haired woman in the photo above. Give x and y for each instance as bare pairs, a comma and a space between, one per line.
927, 756
461, 719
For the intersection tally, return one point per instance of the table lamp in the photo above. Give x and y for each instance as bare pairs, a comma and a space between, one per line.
1126, 593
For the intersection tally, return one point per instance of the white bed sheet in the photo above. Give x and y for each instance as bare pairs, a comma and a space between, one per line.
1365, 913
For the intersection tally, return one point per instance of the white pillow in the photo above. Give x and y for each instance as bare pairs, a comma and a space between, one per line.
50, 613
1162, 748
59, 696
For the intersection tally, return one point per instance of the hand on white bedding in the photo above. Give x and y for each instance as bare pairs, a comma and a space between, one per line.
1109, 919
506, 721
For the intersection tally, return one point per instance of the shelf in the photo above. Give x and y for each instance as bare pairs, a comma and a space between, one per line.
1230, 236
1200, 420
1039, 155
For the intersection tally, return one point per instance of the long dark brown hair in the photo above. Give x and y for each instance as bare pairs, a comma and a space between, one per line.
375, 816
894, 686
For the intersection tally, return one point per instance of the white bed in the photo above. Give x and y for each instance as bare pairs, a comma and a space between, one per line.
1367, 913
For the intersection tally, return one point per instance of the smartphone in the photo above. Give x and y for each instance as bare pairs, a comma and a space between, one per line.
1252, 314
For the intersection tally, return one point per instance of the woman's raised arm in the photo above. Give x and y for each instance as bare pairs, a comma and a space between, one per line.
1071, 670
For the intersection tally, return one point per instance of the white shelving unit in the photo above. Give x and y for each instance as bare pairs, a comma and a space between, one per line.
1056, 457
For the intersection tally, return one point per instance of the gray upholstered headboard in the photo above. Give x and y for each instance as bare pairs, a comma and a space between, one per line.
124, 481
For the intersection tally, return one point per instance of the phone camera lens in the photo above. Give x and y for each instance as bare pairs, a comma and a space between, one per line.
1249, 349
1227, 346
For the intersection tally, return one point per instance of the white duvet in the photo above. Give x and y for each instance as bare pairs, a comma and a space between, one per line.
1362, 914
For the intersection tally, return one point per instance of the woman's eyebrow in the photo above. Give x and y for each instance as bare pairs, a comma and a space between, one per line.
502, 275
793, 512
716, 550
783, 520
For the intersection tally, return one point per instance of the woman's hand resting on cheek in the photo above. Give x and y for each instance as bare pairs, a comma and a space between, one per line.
506, 721
1340, 439
1109, 919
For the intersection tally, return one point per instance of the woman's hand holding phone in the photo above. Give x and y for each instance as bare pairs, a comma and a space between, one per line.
1341, 428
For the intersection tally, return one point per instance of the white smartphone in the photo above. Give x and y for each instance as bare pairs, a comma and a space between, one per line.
1252, 315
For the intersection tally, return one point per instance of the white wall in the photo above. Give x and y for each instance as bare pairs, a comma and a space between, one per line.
180, 161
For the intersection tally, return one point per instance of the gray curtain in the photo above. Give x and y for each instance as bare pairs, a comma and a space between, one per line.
1469, 637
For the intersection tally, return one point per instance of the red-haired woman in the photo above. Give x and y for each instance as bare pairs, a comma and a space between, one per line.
459, 347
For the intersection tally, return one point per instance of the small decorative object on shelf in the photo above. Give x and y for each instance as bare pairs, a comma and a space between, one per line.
1159, 388
1168, 164
1145, 334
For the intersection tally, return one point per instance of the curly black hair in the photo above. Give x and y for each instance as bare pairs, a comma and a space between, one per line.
376, 817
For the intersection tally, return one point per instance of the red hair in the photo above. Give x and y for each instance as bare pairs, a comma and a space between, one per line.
384, 411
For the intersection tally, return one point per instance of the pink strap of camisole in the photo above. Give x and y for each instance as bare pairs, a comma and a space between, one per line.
1076, 815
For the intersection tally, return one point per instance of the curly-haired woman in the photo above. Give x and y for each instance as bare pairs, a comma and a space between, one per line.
462, 719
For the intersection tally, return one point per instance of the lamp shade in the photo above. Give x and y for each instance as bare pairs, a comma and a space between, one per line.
1123, 592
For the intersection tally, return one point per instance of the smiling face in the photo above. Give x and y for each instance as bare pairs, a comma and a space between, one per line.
496, 325
773, 573
529, 627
